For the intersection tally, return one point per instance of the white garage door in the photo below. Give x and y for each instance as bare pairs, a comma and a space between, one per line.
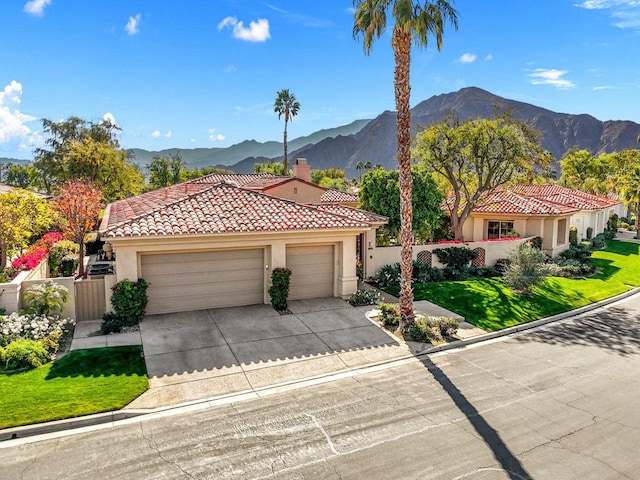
199, 280
311, 271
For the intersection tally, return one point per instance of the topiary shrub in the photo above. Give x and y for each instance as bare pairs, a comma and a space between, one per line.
25, 353
536, 242
573, 236
589, 232
63, 258
279, 289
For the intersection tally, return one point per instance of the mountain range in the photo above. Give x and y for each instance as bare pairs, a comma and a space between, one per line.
375, 139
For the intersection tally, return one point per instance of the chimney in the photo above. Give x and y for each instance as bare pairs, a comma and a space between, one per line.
302, 170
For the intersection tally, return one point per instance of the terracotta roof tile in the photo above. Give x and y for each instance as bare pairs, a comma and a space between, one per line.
350, 212
338, 196
210, 209
566, 196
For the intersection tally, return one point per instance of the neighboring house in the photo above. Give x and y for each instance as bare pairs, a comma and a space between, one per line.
546, 211
4, 188
214, 241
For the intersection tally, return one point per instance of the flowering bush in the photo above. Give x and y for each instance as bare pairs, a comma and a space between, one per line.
31, 259
48, 239
43, 328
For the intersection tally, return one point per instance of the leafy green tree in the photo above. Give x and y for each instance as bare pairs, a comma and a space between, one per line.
21, 176
22, 216
629, 187
79, 149
415, 22
165, 171
269, 167
78, 206
190, 174
475, 157
380, 193
332, 177
287, 105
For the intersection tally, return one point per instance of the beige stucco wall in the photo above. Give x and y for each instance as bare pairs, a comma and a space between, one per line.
128, 252
10, 292
297, 191
494, 250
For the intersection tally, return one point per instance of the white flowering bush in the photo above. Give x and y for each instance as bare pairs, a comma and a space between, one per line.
30, 335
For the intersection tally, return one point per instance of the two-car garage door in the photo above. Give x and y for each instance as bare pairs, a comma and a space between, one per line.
200, 280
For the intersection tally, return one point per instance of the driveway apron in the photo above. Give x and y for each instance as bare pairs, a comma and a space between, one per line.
192, 356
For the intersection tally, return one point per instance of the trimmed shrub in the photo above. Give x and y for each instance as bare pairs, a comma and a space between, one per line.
279, 289
448, 326
25, 353
579, 252
455, 257
573, 236
363, 297
129, 302
589, 232
389, 314
501, 265
63, 258
536, 242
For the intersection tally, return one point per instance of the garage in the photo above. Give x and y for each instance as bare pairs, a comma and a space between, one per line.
199, 280
312, 272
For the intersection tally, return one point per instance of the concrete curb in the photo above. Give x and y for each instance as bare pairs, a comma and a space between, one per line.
104, 419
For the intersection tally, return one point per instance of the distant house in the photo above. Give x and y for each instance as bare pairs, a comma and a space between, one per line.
547, 211
214, 241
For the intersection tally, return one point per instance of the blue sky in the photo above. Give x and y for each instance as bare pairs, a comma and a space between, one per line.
205, 73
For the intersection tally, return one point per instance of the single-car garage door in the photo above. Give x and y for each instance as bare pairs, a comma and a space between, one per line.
311, 271
199, 280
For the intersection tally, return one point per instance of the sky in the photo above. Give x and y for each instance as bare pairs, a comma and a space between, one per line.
205, 73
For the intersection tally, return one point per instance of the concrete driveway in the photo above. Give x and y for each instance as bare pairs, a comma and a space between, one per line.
208, 353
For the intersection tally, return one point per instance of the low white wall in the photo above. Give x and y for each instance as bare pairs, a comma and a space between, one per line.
494, 250
10, 292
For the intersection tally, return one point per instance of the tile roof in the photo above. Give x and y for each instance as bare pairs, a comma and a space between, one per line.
506, 201
350, 212
209, 209
566, 196
338, 196
540, 200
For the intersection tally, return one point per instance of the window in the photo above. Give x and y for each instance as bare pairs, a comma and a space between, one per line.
498, 229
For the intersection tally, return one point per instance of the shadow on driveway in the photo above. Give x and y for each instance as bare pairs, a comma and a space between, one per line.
206, 353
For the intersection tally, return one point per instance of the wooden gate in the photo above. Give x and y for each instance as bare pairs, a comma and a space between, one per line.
90, 299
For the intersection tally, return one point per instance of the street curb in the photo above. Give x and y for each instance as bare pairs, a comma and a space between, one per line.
119, 415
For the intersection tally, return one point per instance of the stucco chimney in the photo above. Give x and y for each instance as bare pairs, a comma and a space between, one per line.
302, 170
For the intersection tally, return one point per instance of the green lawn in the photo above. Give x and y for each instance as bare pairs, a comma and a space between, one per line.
488, 304
80, 383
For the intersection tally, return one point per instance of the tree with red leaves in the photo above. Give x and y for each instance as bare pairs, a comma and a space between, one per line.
78, 205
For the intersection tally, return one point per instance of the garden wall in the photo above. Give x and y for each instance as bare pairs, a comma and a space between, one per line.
494, 250
10, 292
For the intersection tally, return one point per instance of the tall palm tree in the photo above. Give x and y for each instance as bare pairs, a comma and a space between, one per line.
360, 167
415, 21
287, 105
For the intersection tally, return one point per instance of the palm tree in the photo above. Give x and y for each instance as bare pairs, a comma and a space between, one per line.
367, 165
415, 20
287, 105
360, 167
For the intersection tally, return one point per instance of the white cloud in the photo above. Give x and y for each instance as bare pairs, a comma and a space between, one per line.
168, 134
192, 140
468, 58
602, 87
257, 31
155, 133
215, 137
626, 13
36, 7
488, 58
132, 25
230, 69
551, 76
12, 121
108, 117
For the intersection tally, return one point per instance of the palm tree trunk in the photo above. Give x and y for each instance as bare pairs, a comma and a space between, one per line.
402, 52
285, 162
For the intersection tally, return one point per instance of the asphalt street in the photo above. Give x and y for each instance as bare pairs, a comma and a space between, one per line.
559, 402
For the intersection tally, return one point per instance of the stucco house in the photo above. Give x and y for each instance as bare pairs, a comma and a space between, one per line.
214, 241
547, 211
